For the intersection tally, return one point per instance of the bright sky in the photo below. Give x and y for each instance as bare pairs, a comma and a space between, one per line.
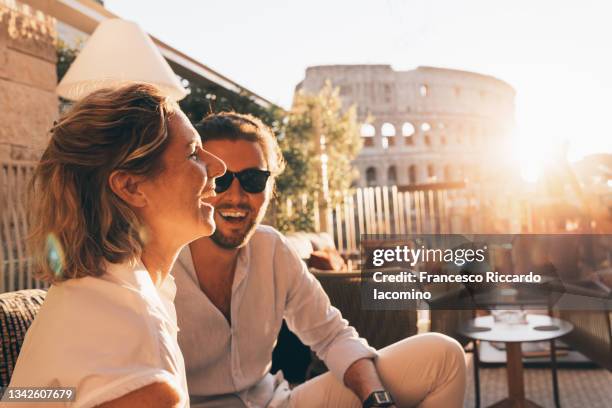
556, 54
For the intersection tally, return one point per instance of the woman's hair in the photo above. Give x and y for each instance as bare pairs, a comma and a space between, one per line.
237, 126
77, 222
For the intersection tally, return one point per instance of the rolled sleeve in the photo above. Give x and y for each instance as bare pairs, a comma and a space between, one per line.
310, 315
344, 352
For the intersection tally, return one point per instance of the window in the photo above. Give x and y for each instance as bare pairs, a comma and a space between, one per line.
368, 132
387, 130
407, 129
371, 176
431, 172
412, 177
392, 175
423, 90
447, 173
387, 89
408, 132
346, 90
427, 140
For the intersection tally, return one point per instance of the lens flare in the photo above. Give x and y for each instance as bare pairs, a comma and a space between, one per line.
55, 255
143, 235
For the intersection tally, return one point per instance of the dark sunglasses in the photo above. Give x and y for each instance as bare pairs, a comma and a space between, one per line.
251, 180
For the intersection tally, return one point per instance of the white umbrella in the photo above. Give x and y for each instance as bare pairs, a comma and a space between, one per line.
117, 53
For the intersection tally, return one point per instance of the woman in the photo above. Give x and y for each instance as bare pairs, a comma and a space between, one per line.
117, 193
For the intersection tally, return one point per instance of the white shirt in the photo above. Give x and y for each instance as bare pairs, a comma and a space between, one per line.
229, 365
106, 336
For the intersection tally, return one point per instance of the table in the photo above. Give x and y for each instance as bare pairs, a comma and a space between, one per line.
537, 328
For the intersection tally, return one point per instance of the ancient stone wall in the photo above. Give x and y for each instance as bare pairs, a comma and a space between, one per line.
427, 125
28, 103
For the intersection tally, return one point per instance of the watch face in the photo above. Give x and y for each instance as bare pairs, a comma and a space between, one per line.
382, 397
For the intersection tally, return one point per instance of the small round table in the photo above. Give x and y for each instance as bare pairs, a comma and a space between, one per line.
537, 328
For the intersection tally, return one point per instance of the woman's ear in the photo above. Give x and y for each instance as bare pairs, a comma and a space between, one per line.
128, 187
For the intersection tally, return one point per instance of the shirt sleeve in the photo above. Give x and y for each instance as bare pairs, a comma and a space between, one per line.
310, 315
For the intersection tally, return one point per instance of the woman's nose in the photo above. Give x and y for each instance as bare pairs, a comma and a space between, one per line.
215, 167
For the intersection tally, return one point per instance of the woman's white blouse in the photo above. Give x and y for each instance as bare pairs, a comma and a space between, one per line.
106, 336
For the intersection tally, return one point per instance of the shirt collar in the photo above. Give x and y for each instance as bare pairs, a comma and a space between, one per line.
242, 265
134, 275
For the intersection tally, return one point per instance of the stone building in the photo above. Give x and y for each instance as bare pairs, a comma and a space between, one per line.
426, 125
27, 81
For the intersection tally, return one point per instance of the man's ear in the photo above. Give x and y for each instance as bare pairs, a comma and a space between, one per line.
128, 187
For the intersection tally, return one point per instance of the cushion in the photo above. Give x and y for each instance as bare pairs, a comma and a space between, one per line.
321, 240
327, 259
300, 242
17, 312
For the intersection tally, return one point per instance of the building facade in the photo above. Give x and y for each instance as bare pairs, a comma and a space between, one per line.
427, 125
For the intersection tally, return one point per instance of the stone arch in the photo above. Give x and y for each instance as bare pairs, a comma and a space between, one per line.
387, 129
408, 129
371, 176
412, 174
431, 172
448, 173
408, 132
392, 175
368, 132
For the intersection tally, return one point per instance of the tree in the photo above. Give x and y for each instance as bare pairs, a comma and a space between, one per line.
65, 57
311, 117
206, 98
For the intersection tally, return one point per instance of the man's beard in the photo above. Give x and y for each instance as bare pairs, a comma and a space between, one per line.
239, 240
235, 241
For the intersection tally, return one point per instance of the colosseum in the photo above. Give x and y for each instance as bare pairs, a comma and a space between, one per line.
423, 126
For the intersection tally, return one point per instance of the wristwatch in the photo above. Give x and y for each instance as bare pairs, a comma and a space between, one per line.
378, 399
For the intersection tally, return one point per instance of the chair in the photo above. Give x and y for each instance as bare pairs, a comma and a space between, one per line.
379, 327
18, 310
592, 334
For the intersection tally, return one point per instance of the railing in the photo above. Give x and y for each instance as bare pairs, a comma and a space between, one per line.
15, 265
436, 209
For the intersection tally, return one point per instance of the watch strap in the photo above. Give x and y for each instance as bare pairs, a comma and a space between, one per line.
379, 398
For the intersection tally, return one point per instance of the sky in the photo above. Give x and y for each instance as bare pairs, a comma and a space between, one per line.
556, 54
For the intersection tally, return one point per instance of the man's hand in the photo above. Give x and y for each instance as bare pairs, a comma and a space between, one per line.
362, 378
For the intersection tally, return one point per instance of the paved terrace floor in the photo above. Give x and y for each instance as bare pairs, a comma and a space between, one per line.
578, 388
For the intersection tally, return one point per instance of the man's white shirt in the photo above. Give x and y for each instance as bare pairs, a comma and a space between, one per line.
230, 364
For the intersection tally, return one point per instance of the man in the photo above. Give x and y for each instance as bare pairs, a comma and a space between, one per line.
235, 288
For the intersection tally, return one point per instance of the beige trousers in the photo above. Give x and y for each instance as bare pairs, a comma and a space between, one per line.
426, 371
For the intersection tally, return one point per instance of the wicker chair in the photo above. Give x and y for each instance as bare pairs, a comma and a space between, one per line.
18, 312
379, 327
592, 334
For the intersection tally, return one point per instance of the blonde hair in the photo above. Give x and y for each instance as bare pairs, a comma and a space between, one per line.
76, 220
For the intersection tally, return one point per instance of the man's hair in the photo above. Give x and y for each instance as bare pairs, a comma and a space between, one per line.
77, 222
236, 126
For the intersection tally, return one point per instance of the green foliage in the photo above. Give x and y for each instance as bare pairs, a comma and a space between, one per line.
206, 98
65, 57
311, 117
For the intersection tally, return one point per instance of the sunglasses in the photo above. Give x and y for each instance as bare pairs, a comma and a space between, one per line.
251, 180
